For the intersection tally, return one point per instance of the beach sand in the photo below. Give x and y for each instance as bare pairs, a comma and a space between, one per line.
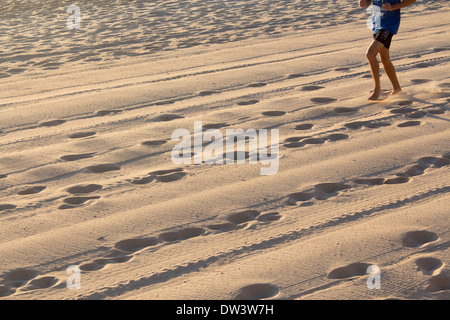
87, 178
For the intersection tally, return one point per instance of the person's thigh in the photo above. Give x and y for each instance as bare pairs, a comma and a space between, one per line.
384, 54
375, 48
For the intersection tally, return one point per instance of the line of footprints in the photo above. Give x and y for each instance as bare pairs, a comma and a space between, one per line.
21, 280
301, 141
323, 191
291, 142
124, 250
79, 193
428, 265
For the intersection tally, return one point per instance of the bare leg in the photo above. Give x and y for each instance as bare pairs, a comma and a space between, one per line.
390, 70
371, 55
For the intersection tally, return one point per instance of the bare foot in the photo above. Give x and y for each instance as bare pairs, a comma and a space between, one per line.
395, 92
375, 95
398, 91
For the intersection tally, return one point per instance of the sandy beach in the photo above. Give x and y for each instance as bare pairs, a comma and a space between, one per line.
357, 208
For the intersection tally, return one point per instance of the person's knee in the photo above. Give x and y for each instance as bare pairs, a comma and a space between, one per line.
371, 54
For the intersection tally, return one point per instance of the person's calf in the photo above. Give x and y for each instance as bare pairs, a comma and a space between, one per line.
392, 75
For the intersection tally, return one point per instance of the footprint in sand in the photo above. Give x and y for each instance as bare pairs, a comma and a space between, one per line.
143, 180
397, 180
434, 161
293, 198
415, 239
242, 217
337, 137
169, 175
436, 111
294, 139
257, 291
356, 124
439, 49
4, 207
52, 123
257, 85
415, 170
411, 123
295, 75
76, 202
417, 115
98, 264
222, 227
79, 135
367, 76
213, 126
19, 277
239, 219
107, 112
133, 245
420, 81
370, 181
402, 110
164, 172
298, 142
376, 125
168, 117
247, 102
322, 191
269, 217
313, 141
405, 103
32, 190
349, 271
345, 110
76, 157
16, 70
438, 283
101, 168
84, 188
4, 290
274, 113
182, 234
323, 100
342, 69
163, 103
207, 93
423, 65
428, 265
51, 66
154, 143
304, 126
311, 88
41, 283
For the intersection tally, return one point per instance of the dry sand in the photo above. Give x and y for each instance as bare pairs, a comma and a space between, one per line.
86, 176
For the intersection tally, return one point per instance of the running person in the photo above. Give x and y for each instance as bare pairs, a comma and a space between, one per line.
385, 24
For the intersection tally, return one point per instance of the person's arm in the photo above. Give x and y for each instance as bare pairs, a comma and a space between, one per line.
402, 4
